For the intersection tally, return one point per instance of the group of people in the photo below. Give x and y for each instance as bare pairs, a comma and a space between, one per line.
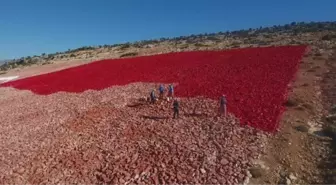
170, 95
176, 104
162, 90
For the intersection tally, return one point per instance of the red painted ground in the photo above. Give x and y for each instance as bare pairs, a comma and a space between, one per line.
254, 79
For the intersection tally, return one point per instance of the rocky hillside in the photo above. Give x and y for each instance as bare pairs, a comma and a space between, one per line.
320, 35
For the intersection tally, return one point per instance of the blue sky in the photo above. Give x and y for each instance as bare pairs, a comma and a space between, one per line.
29, 27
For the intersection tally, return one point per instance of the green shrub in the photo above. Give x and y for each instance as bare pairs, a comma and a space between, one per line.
331, 118
183, 46
124, 46
257, 172
213, 38
333, 109
318, 54
302, 128
331, 130
131, 54
328, 37
291, 102
201, 45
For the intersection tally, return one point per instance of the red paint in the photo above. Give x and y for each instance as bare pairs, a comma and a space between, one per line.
254, 79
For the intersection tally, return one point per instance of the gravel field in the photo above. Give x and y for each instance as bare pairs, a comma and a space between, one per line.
110, 136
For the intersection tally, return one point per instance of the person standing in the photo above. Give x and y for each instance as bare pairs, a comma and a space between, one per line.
176, 107
222, 107
170, 91
152, 96
161, 90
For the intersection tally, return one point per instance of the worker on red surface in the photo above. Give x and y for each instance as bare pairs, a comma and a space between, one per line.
170, 91
161, 90
152, 96
222, 107
176, 107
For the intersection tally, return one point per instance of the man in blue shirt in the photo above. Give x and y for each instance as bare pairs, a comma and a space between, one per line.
171, 91
161, 90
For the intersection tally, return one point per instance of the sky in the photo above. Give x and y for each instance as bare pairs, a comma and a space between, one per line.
32, 27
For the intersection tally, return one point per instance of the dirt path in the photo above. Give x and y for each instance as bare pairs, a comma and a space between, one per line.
295, 153
329, 100
33, 70
329, 82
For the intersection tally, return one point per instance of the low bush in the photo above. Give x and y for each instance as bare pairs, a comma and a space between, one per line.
124, 46
291, 102
201, 45
131, 54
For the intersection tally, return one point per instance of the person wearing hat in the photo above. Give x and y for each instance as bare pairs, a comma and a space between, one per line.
176, 107
152, 96
222, 107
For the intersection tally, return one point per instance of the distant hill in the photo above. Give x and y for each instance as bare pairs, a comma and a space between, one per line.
320, 34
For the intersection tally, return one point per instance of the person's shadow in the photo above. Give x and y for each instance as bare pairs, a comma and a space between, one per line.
154, 117
135, 105
195, 114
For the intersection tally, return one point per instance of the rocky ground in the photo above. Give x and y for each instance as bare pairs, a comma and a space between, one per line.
329, 99
111, 136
